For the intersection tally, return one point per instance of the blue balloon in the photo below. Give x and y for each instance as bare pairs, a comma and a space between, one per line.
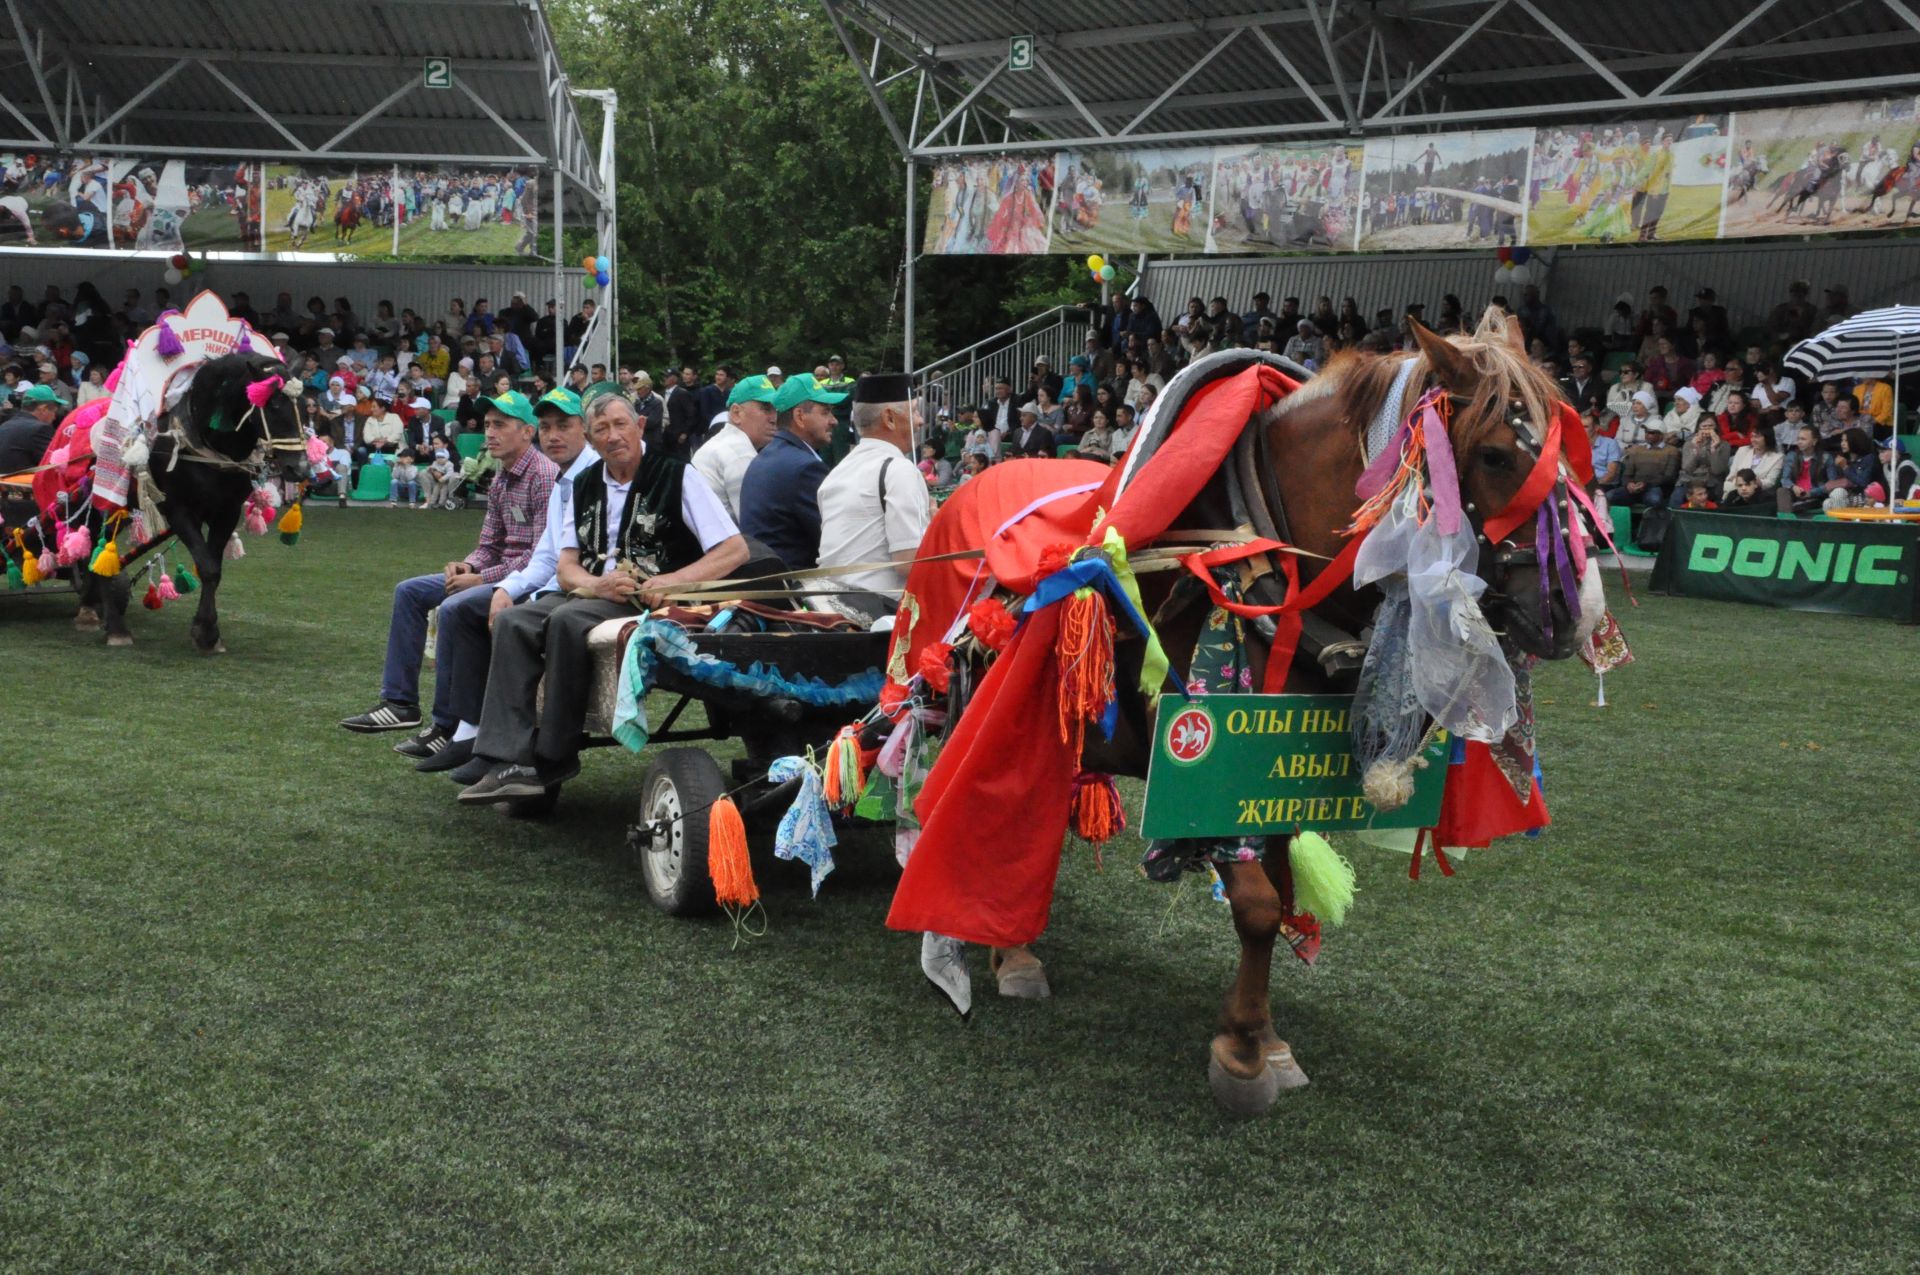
603, 278
1520, 256
603, 265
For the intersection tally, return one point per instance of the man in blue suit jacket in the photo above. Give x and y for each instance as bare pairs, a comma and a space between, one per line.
780, 495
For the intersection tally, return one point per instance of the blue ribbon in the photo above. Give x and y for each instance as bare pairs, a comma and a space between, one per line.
1090, 572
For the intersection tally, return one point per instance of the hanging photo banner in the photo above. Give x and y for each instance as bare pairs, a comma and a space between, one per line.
999, 206
1445, 190
1126, 202
1843, 166
1285, 197
128, 203
380, 212
1649, 181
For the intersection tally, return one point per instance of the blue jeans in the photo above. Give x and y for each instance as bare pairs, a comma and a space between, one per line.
413, 598
1651, 497
461, 654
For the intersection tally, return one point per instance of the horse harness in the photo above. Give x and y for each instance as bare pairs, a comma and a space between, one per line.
183, 447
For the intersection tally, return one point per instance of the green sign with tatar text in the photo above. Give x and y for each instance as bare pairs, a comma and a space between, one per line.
1803, 564
1253, 765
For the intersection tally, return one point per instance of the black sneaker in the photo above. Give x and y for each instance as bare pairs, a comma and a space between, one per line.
386, 715
452, 754
430, 742
472, 771
514, 782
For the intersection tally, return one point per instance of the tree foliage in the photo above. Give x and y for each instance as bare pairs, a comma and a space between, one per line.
761, 200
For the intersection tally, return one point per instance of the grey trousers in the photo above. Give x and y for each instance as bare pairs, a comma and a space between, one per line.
547, 636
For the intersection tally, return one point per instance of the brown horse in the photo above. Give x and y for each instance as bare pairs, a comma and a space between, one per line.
1299, 463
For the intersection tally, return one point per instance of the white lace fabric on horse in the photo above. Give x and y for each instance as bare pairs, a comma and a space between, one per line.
1458, 674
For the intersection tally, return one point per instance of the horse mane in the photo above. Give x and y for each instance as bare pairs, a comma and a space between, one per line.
1503, 374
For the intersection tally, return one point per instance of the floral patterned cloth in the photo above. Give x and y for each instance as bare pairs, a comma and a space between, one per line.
1219, 666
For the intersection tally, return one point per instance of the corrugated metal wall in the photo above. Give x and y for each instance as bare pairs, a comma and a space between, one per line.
1582, 283
425, 288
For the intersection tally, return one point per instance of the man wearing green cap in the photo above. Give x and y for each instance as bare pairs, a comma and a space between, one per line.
516, 516
25, 436
464, 643
779, 497
723, 459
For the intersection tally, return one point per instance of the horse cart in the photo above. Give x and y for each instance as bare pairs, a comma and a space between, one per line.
779, 693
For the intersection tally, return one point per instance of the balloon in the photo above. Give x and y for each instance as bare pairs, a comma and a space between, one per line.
1520, 256
1095, 262
172, 276
179, 261
603, 264
1106, 273
588, 264
1505, 255
603, 278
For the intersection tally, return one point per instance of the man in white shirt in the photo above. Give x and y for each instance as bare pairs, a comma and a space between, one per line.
1002, 413
635, 527
465, 642
874, 506
751, 420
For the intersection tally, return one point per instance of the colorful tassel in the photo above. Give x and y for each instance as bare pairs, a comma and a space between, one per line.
290, 522
13, 575
234, 549
1096, 808
48, 567
30, 570
107, 561
990, 624
842, 777
727, 861
166, 588
167, 344
257, 516
1322, 879
151, 599
184, 580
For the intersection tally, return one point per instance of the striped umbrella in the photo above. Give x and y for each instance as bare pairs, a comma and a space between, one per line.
1874, 343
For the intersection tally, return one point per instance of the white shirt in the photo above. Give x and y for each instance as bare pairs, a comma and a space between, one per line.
1002, 414
722, 460
700, 509
538, 575
853, 527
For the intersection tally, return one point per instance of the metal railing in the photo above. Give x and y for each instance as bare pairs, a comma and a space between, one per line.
965, 377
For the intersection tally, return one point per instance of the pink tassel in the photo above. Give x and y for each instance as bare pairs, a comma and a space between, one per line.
234, 550
167, 592
77, 547
260, 393
58, 457
139, 525
59, 534
256, 521
47, 564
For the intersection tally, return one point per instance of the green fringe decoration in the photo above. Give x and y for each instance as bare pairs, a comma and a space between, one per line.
1322, 879
14, 579
183, 579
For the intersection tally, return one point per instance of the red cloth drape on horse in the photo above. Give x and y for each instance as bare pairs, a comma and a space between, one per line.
994, 808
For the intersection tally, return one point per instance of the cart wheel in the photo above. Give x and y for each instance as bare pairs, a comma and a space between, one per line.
673, 860
532, 807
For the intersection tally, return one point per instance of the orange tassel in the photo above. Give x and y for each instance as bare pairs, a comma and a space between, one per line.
1086, 663
727, 861
1097, 812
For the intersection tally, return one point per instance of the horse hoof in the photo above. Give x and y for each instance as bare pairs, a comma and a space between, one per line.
1019, 974
119, 639
86, 620
218, 648
1243, 1096
1281, 1063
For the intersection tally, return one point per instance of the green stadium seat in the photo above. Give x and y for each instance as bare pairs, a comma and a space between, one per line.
1623, 533
444, 415
376, 483
1616, 360
469, 445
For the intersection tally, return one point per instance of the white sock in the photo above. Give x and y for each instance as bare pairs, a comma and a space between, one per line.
465, 731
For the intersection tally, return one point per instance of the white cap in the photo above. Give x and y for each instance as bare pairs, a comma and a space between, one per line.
775, 371
1688, 393
421, 405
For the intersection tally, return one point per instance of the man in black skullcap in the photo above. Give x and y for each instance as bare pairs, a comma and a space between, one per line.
874, 505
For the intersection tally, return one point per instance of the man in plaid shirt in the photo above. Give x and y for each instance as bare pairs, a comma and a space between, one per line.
516, 515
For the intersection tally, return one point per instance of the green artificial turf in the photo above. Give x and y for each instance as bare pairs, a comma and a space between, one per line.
271, 1001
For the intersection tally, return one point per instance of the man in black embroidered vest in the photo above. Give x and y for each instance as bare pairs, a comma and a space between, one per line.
638, 525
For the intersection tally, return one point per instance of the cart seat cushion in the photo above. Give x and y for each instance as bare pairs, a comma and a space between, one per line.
607, 645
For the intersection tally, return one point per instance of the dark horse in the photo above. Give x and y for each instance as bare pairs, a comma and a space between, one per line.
1819, 182
1292, 476
204, 467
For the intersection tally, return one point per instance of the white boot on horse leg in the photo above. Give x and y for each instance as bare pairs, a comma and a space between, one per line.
1019, 973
